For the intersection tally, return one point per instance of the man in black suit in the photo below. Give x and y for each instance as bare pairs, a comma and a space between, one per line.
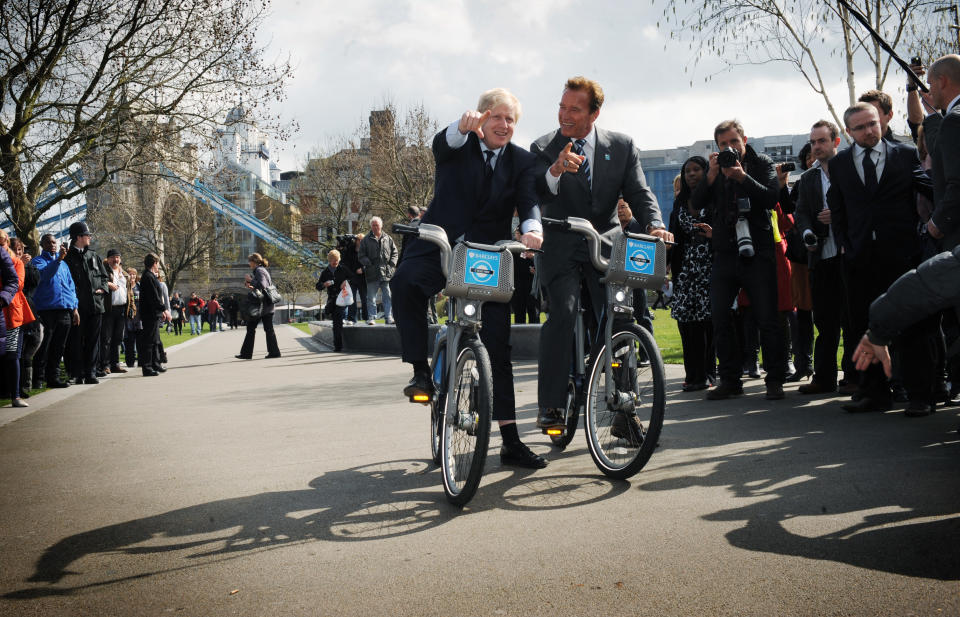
813, 219
581, 171
944, 147
481, 179
872, 197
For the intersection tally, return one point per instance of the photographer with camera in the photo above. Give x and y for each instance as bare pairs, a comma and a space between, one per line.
823, 258
741, 188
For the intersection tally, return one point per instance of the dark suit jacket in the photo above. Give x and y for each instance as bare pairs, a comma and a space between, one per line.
889, 217
809, 204
459, 185
943, 142
338, 276
615, 169
151, 296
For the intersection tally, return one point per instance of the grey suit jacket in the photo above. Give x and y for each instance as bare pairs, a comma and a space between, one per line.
942, 135
615, 169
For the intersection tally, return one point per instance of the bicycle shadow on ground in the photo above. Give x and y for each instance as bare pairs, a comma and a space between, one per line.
365, 503
875, 491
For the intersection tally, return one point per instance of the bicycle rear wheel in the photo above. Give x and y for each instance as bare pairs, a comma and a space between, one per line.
466, 428
624, 426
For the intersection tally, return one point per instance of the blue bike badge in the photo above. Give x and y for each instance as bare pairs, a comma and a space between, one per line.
640, 257
482, 268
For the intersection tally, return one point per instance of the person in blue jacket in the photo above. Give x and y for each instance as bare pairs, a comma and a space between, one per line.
55, 300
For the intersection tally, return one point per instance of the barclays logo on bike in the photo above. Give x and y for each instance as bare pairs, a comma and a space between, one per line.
482, 268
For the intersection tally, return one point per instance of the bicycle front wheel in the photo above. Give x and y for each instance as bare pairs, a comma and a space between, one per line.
466, 427
623, 425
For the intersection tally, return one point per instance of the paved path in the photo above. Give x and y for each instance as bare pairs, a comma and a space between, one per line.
302, 486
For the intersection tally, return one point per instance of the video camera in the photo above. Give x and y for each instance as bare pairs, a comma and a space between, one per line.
346, 241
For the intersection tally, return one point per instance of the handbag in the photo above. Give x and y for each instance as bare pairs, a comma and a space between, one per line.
254, 303
273, 295
345, 297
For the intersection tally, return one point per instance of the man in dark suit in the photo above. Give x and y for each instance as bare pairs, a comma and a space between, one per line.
872, 197
813, 219
581, 171
942, 134
481, 179
944, 147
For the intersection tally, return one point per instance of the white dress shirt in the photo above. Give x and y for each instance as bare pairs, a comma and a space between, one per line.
879, 158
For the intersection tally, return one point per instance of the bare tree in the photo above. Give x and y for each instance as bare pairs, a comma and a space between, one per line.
401, 161
809, 35
330, 192
79, 79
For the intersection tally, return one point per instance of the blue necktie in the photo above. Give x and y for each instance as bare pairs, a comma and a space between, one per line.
870, 172
585, 167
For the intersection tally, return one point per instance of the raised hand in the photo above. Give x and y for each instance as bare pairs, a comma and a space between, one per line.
566, 161
473, 121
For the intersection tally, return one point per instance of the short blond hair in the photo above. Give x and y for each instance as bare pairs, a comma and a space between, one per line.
333, 253
499, 96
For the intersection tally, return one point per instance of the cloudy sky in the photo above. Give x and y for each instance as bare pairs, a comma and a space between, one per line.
352, 55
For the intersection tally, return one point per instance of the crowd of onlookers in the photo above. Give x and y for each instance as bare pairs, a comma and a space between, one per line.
760, 261
68, 305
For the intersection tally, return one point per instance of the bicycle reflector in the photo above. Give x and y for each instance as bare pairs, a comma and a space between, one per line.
420, 398
615, 365
555, 431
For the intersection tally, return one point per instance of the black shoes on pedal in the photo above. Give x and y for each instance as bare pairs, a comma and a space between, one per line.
419, 387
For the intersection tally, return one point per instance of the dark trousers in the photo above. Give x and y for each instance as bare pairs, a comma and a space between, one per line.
865, 280
111, 335
355, 310
416, 280
84, 345
246, 350
148, 340
130, 338
56, 329
758, 278
801, 331
699, 355
829, 309
563, 292
525, 306
336, 313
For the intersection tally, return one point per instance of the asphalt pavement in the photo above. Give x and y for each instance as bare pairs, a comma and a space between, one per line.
303, 486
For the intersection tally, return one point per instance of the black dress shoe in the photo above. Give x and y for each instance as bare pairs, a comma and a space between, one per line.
78, 381
815, 387
160, 369
56, 383
918, 409
867, 404
550, 417
271, 355
150, 373
241, 357
799, 375
102, 373
519, 455
774, 392
421, 384
724, 391
91, 381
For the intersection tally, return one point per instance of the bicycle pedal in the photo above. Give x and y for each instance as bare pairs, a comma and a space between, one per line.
423, 399
554, 431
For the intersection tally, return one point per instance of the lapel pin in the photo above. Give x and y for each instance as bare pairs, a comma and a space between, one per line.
606, 157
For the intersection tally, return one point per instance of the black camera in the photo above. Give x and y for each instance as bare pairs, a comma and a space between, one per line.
788, 166
345, 240
810, 238
744, 239
728, 157
916, 61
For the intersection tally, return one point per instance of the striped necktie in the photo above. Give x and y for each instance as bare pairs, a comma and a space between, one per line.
585, 167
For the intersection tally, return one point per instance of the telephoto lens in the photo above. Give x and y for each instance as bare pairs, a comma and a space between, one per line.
744, 240
809, 238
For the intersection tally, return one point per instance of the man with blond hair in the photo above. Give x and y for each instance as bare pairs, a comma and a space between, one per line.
481, 179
